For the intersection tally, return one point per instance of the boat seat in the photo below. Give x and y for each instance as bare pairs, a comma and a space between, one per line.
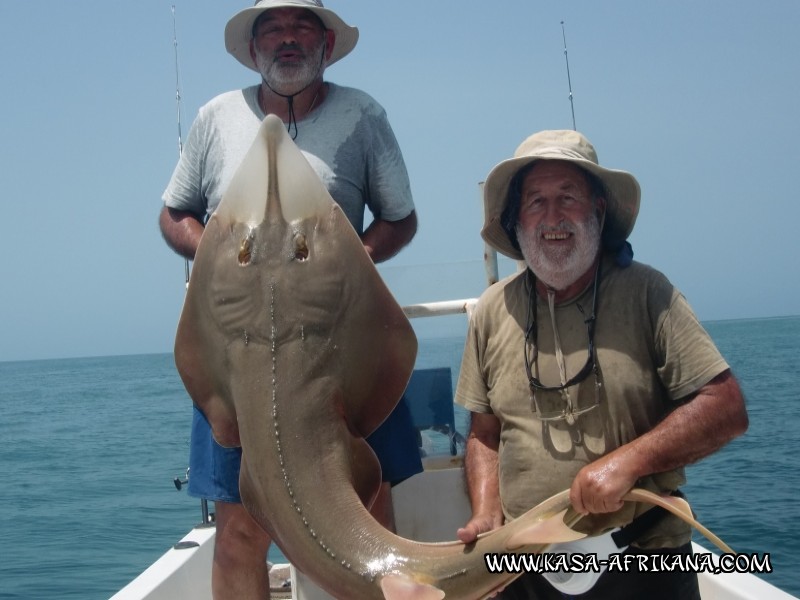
430, 398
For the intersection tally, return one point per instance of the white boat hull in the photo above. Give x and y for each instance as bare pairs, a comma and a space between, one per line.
184, 571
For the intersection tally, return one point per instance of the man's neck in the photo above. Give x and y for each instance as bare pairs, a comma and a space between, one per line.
574, 289
304, 102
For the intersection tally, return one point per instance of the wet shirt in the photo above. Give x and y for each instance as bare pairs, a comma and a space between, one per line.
347, 140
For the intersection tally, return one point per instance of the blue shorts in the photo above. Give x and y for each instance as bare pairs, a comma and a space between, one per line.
214, 470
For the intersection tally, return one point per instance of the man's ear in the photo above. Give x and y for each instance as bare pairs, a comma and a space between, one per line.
600, 207
600, 202
330, 42
600, 211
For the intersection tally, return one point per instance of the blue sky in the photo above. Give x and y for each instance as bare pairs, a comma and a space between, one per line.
697, 99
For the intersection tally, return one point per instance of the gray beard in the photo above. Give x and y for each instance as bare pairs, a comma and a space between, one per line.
289, 80
560, 268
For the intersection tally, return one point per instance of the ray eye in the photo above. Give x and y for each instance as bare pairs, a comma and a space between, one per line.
300, 247
245, 251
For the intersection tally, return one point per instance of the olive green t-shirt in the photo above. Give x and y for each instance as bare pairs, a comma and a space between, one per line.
652, 353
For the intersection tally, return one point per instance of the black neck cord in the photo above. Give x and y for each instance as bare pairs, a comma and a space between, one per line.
290, 97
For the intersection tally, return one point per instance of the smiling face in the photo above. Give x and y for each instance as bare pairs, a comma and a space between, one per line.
289, 47
558, 226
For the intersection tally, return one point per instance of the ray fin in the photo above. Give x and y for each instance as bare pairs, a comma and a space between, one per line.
681, 509
366, 471
402, 587
552, 530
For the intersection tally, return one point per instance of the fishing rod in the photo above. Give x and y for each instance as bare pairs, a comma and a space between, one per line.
178, 108
569, 80
177, 81
206, 516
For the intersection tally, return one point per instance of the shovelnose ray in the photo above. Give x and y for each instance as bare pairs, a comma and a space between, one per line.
294, 349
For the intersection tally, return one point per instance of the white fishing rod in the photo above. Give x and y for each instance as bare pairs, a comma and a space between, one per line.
569, 80
177, 481
178, 105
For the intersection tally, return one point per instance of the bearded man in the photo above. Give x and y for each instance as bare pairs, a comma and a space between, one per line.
586, 371
347, 139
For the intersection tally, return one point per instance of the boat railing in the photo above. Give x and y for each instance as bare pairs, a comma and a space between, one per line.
438, 309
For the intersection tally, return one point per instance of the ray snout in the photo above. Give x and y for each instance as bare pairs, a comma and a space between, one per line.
275, 180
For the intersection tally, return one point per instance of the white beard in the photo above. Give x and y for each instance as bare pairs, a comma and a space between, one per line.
290, 79
559, 268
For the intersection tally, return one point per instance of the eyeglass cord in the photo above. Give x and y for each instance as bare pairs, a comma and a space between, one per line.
531, 336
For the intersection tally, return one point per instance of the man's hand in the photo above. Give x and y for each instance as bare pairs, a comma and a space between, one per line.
700, 425
477, 525
384, 239
600, 486
481, 473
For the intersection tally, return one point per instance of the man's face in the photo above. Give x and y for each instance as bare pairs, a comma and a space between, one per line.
558, 227
288, 47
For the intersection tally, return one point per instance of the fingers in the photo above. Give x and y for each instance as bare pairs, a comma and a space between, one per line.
476, 526
576, 498
599, 488
467, 534
585, 502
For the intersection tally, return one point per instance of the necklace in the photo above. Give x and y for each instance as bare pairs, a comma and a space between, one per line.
290, 102
262, 101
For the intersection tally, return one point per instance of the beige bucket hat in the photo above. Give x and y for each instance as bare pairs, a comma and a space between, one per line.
239, 30
622, 189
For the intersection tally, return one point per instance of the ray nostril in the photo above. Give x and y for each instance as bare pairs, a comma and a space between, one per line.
245, 251
300, 247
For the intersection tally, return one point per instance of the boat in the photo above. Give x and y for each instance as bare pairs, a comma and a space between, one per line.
184, 571
429, 507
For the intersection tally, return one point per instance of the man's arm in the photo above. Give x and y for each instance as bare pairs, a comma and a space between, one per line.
384, 239
181, 230
701, 426
481, 471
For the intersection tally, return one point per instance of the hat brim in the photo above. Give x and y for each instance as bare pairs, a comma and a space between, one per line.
239, 31
622, 201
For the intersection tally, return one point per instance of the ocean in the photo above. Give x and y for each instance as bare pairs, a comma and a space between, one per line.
89, 449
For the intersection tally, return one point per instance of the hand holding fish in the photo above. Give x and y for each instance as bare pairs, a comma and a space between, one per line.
600, 486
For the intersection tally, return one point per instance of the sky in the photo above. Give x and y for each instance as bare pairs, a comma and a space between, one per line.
697, 99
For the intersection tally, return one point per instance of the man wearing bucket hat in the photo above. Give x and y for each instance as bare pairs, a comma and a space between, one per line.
347, 139
586, 371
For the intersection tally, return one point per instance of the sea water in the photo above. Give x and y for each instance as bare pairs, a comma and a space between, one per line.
89, 449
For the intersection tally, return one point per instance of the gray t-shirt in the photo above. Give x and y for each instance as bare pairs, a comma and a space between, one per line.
347, 140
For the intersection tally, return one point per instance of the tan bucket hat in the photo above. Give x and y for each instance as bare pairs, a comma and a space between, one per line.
622, 189
239, 30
